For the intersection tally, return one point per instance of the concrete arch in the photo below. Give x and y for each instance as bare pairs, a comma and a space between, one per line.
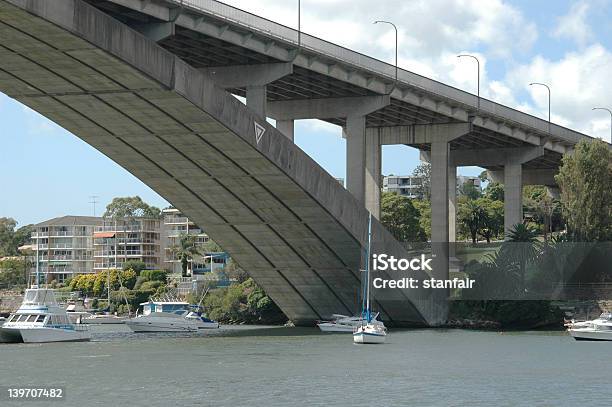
297, 231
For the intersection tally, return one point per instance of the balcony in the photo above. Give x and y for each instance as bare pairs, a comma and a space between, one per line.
174, 220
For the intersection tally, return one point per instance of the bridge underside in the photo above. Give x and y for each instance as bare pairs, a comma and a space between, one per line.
290, 224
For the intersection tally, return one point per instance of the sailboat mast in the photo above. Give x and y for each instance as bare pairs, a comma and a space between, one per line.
37, 250
367, 290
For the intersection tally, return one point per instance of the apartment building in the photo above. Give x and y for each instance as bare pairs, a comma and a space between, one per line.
117, 241
410, 185
64, 247
174, 225
71, 245
405, 185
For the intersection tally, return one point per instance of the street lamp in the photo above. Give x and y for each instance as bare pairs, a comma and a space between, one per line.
547, 87
395, 28
478, 74
299, 24
609, 111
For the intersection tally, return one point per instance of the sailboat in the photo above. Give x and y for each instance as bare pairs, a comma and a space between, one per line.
370, 330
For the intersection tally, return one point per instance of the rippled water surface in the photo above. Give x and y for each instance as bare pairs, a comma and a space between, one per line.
245, 366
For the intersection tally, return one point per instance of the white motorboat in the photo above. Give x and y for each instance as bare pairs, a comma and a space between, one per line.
41, 319
2, 321
342, 324
599, 329
169, 316
369, 330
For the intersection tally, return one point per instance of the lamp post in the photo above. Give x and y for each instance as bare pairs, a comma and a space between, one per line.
477, 76
395, 28
609, 111
547, 87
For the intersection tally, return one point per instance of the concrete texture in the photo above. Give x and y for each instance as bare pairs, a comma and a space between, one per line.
280, 215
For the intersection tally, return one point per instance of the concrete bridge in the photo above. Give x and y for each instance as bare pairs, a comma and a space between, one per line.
148, 84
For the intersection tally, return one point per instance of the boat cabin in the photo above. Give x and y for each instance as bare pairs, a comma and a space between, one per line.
171, 307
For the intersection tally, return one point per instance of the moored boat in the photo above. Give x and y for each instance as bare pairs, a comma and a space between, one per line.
599, 329
369, 330
170, 315
342, 324
41, 319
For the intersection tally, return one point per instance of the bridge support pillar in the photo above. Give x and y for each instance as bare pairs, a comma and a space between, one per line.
452, 209
256, 99
373, 177
513, 195
286, 127
355, 156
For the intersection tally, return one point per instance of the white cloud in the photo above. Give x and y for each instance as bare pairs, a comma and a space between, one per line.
579, 81
573, 25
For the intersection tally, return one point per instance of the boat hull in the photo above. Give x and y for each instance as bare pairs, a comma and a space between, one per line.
161, 323
365, 337
207, 325
8, 335
591, 335
335, 328
45, 335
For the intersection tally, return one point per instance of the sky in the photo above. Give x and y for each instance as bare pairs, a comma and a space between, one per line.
46, 172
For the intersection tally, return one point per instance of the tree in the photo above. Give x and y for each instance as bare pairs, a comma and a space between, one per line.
401, 218
521, 247
135, 265
541, 205
494, 191
493, 218
131, 207
424, 208
585, 179
11, 272
470, 190
11, 239
471, 217
185, 250
7, 233
423, 171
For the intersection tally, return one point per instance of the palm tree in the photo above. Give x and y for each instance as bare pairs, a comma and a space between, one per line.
472, 216
521, 247
185, 250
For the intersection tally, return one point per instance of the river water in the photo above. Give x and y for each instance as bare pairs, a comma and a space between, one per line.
248, 366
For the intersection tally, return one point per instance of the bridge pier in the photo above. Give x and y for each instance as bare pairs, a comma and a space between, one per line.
362, 152
512, 159
287, 127
254, 78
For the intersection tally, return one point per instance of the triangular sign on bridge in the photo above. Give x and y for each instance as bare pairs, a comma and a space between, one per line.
259, 131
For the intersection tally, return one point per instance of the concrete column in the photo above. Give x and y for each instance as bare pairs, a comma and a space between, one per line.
439, 191
372, 174
513, 195
440, 221
355, 156
256, 99
286, 127
452, 209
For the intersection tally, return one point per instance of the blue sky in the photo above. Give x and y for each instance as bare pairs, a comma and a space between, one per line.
48, 172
